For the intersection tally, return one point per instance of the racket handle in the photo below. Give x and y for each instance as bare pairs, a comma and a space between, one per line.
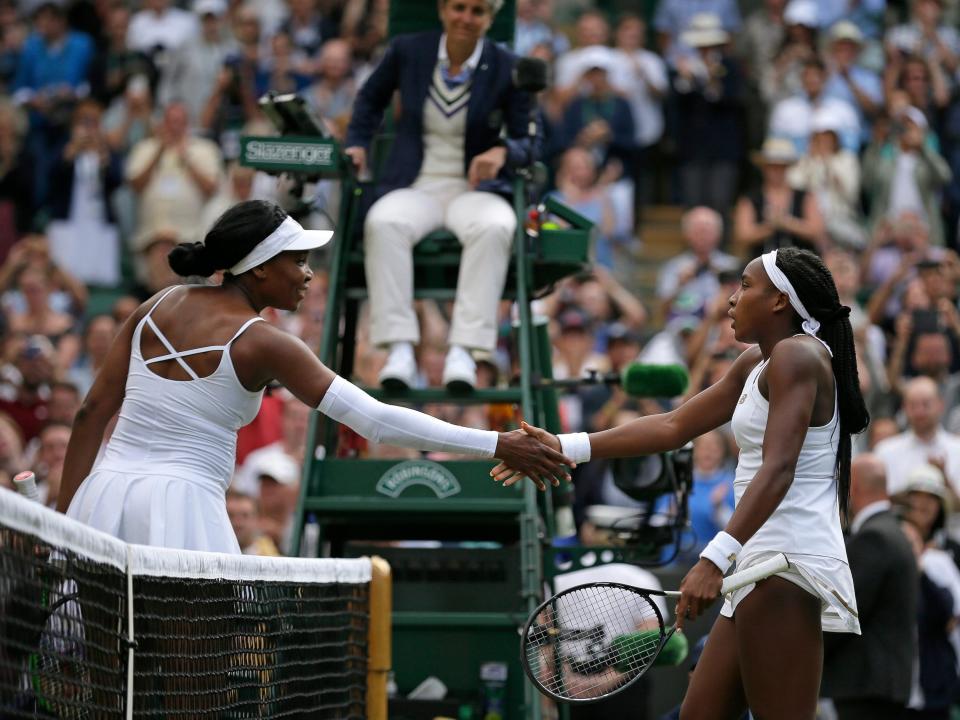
778, 563
26, 484
771, 566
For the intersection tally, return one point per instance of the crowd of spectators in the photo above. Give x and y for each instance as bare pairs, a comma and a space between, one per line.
832, 125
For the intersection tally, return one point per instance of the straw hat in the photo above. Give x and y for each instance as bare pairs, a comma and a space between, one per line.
705, 30
846, 30
776, 151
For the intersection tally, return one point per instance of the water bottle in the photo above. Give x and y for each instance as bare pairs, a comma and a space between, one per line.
26, 484
310, 543
493, 676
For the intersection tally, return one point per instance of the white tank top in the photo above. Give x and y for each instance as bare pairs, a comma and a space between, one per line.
807, 521
806, 524
184, 428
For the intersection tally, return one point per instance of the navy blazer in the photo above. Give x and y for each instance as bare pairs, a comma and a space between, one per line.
494, 103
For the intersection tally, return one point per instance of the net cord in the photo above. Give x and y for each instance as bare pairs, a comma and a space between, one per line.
57, 530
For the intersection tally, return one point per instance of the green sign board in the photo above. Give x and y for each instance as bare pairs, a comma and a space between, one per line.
290, 154
418, 472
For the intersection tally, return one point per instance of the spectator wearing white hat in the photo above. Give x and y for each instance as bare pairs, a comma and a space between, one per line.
791, 118
762, 35
158, 26
926, 35
906, 174
192, 71
674, 17
599, 119
925, 441
776, 215
781, 78
709, 98
862, 89
832, 174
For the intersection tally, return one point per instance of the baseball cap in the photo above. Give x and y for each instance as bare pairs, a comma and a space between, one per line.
928, 479
277, 465
801, 12
210, 7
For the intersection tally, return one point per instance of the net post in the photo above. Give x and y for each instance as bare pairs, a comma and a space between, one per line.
378, 638
130, 638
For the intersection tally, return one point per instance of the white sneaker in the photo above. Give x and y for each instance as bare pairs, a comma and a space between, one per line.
400, 370
459, 370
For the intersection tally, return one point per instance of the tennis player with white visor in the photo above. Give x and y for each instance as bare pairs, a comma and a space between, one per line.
188, 369
793, 400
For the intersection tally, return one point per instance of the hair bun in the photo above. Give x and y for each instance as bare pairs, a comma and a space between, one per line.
188, 259
842, 312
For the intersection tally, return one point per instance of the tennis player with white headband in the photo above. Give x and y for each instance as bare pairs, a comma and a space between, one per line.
793, 401
188, 369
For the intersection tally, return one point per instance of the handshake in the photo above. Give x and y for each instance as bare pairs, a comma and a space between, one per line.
531, 452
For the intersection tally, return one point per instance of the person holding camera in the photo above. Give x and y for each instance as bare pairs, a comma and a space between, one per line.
906, 173
708, 96
462, 129
82, 233
687, 283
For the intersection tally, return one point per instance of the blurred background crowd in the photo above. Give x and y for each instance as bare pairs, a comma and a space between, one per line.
696, 134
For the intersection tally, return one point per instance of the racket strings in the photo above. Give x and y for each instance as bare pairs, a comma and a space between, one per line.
593, 640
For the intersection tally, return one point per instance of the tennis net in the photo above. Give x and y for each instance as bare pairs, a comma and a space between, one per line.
91, 627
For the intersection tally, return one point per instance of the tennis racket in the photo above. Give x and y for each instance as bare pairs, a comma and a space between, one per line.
593, 641
58, 674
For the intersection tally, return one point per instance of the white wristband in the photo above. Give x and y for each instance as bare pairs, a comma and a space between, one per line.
722, 550
575, 446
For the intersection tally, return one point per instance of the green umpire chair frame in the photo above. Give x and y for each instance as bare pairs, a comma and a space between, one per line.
466, 553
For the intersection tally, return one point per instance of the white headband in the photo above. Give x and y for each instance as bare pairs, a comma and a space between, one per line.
290, 235
811, 326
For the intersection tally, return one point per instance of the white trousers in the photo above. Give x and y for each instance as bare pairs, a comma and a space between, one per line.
484, 224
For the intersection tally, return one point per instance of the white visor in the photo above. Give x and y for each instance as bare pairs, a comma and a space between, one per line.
290, 235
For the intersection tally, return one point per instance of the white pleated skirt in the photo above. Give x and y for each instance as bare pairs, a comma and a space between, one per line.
826, 578
153, 509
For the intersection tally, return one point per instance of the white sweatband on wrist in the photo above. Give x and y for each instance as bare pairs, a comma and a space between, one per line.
575, 446
383, 423
722, 550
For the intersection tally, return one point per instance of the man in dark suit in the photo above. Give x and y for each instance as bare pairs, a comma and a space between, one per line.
869, 675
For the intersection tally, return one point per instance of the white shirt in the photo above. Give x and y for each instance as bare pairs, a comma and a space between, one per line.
904, 193
874, 508
791, 118
902, 453
170, 30
633, 74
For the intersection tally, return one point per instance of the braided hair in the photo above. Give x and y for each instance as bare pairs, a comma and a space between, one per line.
818, 293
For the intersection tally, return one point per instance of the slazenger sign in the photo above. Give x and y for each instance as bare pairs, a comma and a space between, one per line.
275, 153
418, 472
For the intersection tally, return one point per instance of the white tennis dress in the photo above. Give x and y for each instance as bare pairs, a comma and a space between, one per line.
806, 524
165, 471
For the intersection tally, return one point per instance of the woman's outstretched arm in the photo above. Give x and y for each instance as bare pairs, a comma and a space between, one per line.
275, 354
657, 433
